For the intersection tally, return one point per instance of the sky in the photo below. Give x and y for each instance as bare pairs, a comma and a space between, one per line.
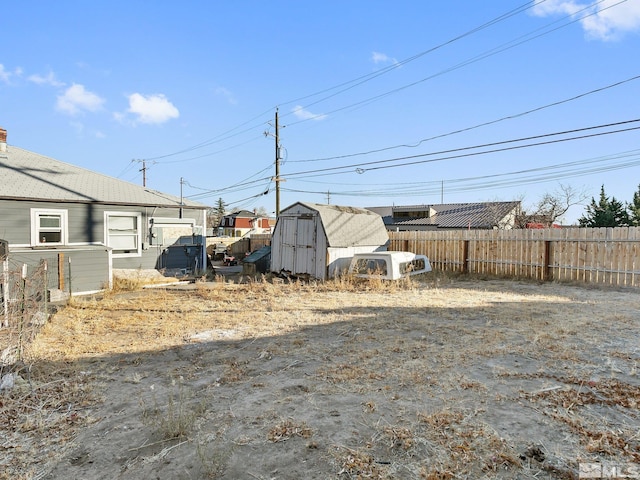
378, 102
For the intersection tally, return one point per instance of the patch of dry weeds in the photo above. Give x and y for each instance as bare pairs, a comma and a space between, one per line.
435, 380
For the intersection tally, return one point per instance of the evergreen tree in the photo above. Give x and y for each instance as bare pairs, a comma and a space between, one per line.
221, 207
634, 209
215, 214
607, 212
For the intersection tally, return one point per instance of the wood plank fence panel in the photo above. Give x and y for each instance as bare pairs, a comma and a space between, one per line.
608, 256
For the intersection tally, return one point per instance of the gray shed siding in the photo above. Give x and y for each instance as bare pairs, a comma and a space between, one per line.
299, 244
319, 240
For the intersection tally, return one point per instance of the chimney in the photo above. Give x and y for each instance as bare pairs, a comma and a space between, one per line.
3, 140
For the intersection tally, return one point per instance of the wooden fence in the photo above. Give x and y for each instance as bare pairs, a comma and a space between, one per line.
608, 256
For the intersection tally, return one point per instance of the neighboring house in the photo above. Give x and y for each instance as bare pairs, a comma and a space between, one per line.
245, 223
319, 240
88, 223
450, 216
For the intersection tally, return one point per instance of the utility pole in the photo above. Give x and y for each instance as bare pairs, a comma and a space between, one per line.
143, 170
277, 167
277, 178
328, 197
144, 173
181, 197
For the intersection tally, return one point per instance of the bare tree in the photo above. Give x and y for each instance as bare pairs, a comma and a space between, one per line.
552, 206
502, 216
261, 212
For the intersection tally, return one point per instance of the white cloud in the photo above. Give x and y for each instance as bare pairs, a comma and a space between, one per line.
5, 75
303, 114
378, 57
78, 127
76, 99
152, 108
226, 94
609, 19
49, 79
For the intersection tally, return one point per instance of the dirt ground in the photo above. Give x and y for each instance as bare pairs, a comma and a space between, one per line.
440, 378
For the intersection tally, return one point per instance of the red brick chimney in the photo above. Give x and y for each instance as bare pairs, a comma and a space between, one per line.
3, 140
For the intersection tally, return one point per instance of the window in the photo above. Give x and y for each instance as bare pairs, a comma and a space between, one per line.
48, 227
376, 266
415, 266
123, 233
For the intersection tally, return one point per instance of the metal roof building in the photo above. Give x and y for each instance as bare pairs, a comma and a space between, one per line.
449, 216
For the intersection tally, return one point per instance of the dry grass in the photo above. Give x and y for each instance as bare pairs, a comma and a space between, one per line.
287, 429
178, 418
434, 379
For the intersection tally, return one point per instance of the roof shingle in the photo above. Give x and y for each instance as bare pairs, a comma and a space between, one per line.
31, 176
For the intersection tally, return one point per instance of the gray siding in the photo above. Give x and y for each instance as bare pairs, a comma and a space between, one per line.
79, 270
14, 222
86, 225
299, 244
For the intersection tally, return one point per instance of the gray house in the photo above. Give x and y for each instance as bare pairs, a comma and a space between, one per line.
319, 240
85, 224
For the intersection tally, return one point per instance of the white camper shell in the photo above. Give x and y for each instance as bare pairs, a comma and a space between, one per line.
388, 265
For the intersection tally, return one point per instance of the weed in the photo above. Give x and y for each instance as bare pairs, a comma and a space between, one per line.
399, 437
287, 429
357, 464
177, 420
213, 459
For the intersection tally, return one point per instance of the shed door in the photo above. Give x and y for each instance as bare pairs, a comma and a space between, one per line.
305, 246
298, 246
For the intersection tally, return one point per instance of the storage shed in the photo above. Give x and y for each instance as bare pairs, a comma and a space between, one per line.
319, 240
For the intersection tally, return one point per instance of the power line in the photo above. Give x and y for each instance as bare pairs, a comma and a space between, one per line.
355, 82
484, 124
216, 139
376, 165
534, 175
499, 49
366, 78
373, 165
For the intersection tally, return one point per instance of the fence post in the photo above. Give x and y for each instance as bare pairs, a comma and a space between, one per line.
23, 309
5, 292
70, 294
45, 286
547, 272
465, 256
61, 271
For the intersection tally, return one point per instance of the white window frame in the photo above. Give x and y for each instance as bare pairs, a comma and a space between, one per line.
36, 239
137, 252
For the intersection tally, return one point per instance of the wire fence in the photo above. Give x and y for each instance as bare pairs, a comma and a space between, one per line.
24, 308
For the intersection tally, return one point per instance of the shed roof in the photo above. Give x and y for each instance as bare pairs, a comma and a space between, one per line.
348, 226
30, 176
